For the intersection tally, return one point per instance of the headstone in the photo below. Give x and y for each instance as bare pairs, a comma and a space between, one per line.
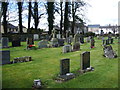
4, 41
76, 47
92, 43
85, 60
43, 44
69, 40
58, 36
64, 66
36, 37
16, 41
5, 57
54, 40
30, 41
81, 38
67, 48
108, 52
107, 42
61, 42
88, 39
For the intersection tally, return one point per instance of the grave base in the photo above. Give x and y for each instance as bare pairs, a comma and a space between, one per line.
62, 78
87, 70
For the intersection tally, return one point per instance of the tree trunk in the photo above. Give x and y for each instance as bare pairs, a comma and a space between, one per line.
50, 11
73, 16
66, 19
29, 17
4, 8
20, 16
61, 32
36, 20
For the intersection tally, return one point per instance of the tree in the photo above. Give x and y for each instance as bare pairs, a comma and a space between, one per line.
50, 12
20, 16
35, 14
66, 21
4, 13
61, 21
76, 8
29, 16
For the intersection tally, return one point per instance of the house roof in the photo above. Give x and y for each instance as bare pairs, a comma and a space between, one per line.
9, 25
94, 26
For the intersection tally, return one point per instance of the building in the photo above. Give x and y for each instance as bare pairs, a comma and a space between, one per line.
12, 29
94, 28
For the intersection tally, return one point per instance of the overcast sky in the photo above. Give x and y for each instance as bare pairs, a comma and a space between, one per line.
103, 12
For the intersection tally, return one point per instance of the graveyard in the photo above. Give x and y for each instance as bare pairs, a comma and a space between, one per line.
45, 65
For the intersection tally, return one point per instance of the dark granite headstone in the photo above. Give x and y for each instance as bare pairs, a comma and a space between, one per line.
4, 41
64, 66
107, 42
92, 43
30, 41
61, 42
82, 39
85, 60
5, 57
16, 41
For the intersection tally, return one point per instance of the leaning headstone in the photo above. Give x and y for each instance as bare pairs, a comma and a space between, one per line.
108, 52
67, 48
76, 47
43, 44
16, 41
4, 41
5, 57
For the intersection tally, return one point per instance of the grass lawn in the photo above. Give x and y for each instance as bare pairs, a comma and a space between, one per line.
46, 65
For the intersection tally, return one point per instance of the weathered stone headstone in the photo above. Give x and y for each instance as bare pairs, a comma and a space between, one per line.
69, 40
67, 48
5, 57
43, 44
76, 47
108, 52
85, 60
16, 41
36, 37
54, 40
61, 42
4, 41
64, 66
